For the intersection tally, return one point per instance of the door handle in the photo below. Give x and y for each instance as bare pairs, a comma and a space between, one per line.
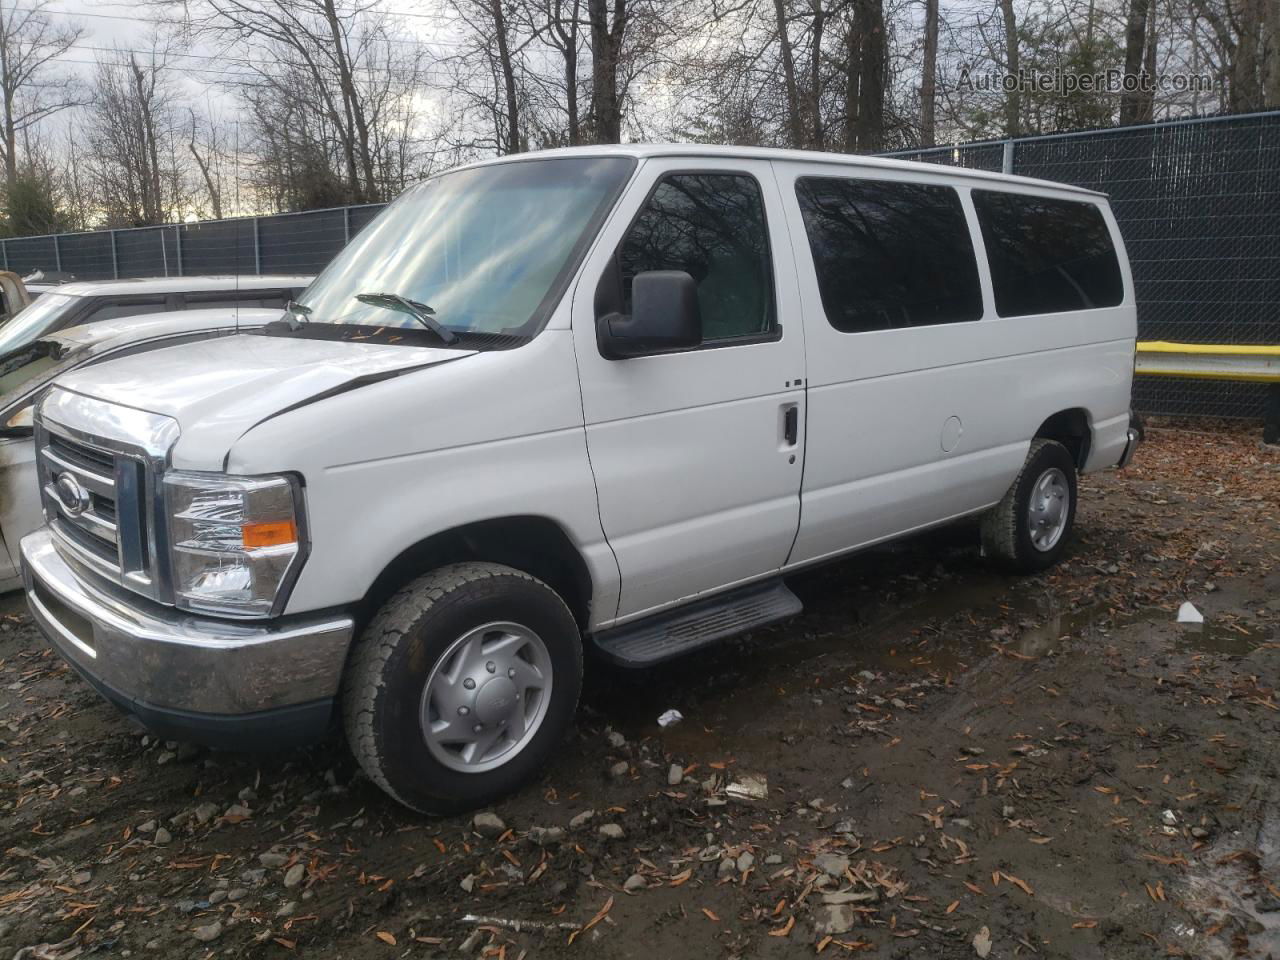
791, 425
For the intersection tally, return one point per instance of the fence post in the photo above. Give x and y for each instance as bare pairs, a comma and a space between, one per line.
346, 225
57, 253
4, 247
1271, 415
257, 248
164, 252
115, 258
177, 243
1006, 160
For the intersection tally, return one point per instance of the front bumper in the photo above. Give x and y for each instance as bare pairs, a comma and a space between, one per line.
225, 684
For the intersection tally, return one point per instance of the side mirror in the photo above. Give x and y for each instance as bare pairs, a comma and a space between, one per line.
664, 317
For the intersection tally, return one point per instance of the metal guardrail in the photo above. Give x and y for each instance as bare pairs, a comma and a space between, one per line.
1249, 364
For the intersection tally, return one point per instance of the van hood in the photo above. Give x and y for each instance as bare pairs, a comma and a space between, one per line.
218, 390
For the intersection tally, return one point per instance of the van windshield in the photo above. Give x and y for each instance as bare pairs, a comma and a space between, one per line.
483, 251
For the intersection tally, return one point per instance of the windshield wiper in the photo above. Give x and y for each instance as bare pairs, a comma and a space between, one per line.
296, 314
419, 311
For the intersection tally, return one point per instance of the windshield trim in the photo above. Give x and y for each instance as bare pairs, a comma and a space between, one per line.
556, 290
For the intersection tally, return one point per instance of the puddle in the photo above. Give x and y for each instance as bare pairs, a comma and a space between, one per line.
923, 607
1225, 888
886, 610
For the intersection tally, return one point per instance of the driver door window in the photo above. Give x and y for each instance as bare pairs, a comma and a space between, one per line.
711, 226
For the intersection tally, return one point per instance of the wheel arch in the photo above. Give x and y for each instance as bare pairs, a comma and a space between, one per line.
536, 545
1071, 428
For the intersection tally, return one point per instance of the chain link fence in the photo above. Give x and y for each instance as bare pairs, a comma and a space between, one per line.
1198, 202
288, 243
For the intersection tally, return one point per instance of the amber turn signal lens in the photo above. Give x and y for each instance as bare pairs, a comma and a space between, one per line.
269, 534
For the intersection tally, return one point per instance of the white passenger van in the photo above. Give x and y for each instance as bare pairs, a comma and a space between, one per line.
607, 396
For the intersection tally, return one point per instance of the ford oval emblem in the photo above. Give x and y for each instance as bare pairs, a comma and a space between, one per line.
73, 498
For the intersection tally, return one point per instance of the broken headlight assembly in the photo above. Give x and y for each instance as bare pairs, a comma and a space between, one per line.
235, 543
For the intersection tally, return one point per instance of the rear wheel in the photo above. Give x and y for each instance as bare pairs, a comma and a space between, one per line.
1028, 530
462, 686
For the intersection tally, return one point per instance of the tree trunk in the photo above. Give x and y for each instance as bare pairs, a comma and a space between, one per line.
571, 76
508, 77
152, 198
355, 135
815, 76
1246, 89
795, 123
606, 45
864, 90
1013, 99
1271, 59
10, 127
1133, 103
929, 75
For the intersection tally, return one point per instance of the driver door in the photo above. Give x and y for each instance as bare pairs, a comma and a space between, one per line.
697, 454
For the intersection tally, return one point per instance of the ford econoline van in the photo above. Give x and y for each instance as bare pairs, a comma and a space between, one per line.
605, 397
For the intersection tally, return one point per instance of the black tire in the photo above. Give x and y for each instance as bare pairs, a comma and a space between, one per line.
1006, 527
389, 669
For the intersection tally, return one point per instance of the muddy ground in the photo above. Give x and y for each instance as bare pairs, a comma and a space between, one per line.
953, 762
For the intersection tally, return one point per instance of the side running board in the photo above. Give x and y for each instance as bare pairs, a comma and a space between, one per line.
697, 625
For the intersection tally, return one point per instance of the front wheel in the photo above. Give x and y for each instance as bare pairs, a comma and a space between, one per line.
1028, 530
462, 685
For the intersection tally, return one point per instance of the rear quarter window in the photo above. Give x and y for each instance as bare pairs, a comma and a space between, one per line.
1047, 255
889, 254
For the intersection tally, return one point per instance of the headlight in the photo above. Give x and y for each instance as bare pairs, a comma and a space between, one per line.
235, 542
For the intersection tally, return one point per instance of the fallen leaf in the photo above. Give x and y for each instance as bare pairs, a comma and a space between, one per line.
600, 914
386, 938
1020, 884
951, 907
982, 943
711, 915
784, 930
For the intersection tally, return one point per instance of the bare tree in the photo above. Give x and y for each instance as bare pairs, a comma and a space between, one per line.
132, 133
206, 141
867, 52
929, 75
338, 67
31, 85
1013, 99
1136, 102
608, 20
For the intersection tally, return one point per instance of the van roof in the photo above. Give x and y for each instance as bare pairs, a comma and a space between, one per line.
645, 150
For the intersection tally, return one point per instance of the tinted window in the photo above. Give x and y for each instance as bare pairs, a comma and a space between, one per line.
246, 301
236, 298
110, 310
889, 254
712, 226
1047, 255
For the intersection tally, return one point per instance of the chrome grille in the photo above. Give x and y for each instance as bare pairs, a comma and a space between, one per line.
68, 466
100, 467
105, 527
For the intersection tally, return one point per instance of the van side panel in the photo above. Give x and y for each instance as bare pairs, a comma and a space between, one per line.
912, 426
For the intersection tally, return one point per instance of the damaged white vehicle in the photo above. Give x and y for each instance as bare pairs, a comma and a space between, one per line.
606, 396
25, 372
